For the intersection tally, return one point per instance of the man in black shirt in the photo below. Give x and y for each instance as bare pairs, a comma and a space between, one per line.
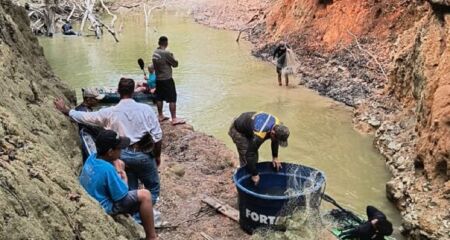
249, 131
280, 56
376, 227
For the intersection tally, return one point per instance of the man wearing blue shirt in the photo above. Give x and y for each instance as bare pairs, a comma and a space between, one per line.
101, 180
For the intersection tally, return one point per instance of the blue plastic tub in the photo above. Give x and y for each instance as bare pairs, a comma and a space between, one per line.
263, 205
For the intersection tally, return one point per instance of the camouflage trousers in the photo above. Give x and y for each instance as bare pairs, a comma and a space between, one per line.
241, 143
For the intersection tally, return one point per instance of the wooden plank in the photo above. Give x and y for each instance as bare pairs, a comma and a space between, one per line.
206, 236
225, 209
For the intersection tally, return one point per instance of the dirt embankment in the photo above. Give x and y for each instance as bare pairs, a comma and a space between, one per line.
420, 79
389, 60
40, 197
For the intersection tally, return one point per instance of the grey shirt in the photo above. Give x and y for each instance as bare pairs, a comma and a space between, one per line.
163, 61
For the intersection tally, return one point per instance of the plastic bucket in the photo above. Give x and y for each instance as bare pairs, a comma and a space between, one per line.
263, 205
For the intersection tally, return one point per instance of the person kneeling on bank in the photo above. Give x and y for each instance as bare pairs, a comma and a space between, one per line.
101, 180
376, 227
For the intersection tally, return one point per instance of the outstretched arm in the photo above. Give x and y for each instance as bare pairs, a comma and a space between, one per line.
98, 118
275, 162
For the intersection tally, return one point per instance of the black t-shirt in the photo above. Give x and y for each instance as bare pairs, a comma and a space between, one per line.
366, 231
280, 55
66, 27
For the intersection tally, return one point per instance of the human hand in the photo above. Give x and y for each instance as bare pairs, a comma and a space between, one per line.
158, 161
61, 105
255, 179
276, 164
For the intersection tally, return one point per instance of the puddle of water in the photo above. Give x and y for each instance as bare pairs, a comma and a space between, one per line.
217, 80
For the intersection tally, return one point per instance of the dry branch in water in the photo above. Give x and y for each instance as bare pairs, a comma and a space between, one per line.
370, 54
44, 17
253, 19
147, 13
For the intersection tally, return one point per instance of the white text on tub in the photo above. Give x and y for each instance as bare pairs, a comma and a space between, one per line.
261, 218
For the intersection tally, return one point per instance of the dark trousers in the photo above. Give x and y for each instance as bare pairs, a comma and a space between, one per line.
241, 144
141, 166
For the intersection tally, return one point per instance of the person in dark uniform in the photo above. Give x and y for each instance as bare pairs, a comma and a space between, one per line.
90, 100
280, 56
376, 227
67, 29
249, 131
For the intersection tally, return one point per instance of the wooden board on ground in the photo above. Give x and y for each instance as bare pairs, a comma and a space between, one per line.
225, 209
206, 236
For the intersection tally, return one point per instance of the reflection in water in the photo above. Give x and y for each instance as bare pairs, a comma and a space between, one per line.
218, 79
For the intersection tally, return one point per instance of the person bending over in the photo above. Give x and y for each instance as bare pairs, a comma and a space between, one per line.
376, 227
101, 180
249, 131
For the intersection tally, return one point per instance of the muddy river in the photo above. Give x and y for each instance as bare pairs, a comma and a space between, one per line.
217, 79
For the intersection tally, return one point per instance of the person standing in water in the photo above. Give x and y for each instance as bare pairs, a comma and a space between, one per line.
163, 62
249, 131
280, 56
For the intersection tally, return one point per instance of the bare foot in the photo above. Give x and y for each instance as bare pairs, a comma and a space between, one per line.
162, 118
177, 121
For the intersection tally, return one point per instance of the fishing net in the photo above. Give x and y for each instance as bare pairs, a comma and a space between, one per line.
301, 221
290, 64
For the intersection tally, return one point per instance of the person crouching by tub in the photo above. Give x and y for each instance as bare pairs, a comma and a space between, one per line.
249, 131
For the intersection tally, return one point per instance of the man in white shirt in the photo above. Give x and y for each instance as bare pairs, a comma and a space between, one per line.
136, 121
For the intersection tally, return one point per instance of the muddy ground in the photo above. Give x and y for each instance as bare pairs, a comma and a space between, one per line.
195, 165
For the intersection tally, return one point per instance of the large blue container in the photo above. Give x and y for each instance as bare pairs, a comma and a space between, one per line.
263, 205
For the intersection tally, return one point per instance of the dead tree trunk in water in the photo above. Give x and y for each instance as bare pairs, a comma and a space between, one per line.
149, 11
44, 17
50, 6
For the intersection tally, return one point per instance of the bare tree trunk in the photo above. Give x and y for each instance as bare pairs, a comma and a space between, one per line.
147, 13
50, 6
71, 12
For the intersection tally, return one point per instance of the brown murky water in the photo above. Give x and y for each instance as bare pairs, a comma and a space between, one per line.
217, 79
